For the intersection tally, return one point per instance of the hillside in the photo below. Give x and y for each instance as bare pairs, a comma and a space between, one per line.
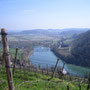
71, 32
81, 49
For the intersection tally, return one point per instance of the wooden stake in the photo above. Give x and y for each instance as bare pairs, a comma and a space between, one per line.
7, 58
67, 87
62, 67
15, 61
55, 69
79, 87
88, 87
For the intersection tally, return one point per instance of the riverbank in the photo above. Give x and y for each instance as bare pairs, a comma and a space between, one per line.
77, 68
67, 58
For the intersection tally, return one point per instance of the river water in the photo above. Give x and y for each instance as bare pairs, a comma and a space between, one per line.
44, 56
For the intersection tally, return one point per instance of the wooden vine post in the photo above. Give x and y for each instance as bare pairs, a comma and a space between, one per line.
67, 87
88, 87
55, 69
79, 87
14, 65
7, 58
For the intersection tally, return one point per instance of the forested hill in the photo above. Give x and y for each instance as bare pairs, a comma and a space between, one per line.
81, 49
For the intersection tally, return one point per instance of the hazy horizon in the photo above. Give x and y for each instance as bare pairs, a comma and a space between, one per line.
45, 14
64, 29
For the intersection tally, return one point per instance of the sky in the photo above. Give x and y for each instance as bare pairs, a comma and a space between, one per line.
44, 14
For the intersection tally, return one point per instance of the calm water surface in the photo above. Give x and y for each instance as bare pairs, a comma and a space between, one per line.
44, 56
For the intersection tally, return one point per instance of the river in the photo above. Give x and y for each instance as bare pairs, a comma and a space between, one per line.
43, 55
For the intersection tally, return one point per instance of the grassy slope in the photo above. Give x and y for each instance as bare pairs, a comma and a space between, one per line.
36, 81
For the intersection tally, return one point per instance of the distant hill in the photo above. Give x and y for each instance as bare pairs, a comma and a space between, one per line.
81, 49
42, 31
70, 32
66, 32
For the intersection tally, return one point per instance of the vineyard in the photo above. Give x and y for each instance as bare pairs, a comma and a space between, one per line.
16, 73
